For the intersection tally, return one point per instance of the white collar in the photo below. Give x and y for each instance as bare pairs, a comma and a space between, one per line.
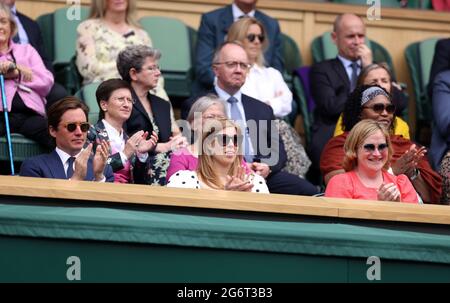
225, 96
347, 62
111, 130
237, 12
63, 155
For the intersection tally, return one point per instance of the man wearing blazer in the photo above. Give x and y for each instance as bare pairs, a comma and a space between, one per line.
29, 32
333, 80
263, 147
213, 30
67, 122
441, 62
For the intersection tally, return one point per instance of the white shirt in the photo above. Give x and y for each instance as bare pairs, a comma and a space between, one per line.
23, 37
263, 83
243, 124
117, 143
65, 160
237, 12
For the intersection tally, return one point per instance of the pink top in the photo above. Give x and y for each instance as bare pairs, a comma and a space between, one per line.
41, 83
348, 185
183, 159
123, 175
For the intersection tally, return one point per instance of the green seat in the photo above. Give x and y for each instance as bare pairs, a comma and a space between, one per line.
22, 147
60, 34
419, 56
174, 39
292, 58
87, 95
323, 48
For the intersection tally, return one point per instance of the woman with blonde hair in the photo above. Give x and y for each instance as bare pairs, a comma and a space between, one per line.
220, 164
111, 27
368, 152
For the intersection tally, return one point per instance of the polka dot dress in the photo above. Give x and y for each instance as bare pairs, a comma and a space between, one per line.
189, 179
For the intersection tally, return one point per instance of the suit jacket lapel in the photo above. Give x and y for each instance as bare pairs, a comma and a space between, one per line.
55, 166
138, 105
340, 70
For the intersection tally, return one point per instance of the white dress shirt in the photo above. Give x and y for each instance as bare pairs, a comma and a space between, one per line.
237, 13
264, 83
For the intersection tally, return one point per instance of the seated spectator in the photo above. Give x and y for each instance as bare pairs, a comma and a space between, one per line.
267, 84
128, 154
212, 33
28, 31
26, 84
111, 27
379, 74
138, 65
367, 152
220, 162
440, 139
441, 62
67, 123
204, 109
373, 102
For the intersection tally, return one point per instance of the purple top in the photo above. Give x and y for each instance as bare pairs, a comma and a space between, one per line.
183, 159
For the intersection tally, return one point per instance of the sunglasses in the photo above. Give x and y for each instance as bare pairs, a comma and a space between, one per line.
380, 107
225, 139
72, 126
252, 37
371, 147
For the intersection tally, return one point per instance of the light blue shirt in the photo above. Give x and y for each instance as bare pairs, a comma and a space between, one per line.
243, 124
348, 68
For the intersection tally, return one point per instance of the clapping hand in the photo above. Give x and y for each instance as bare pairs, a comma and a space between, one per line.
145, 145
408, 162
239, 181
101, 159
388, 192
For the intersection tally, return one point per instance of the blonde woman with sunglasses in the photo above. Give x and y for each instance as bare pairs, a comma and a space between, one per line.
367, 154
373, 102
220, 164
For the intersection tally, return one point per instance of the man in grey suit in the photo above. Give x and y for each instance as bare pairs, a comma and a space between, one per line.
213, 30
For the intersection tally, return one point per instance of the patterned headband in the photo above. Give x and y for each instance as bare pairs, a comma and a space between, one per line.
371, 93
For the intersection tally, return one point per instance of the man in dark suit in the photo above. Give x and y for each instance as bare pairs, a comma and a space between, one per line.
441, 62
211, 34
67, 122
263, 147
333, 80
29, 32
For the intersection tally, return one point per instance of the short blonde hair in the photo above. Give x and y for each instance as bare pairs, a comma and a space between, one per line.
12, 22
238, 32
205, 158
360, 132
98, 10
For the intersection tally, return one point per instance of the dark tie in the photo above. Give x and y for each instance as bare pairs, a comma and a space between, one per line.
237, 117
70, 168
354, 75
243, 16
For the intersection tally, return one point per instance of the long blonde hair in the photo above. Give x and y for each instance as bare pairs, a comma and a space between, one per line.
205, 166
98, 10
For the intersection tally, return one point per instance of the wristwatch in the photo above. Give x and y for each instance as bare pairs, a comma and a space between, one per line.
415, 175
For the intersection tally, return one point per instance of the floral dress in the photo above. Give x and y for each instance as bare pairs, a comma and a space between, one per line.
158, 163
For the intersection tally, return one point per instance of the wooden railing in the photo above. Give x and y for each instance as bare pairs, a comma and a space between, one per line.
92, 192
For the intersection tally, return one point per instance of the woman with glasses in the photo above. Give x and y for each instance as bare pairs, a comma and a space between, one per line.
111, 26
129, 155
204, 109
220, 164
138, 65
373, 102
26, 83
367, 152
380, 74
267, 84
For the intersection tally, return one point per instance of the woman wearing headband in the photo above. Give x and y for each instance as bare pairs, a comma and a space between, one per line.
367, 154
373, 102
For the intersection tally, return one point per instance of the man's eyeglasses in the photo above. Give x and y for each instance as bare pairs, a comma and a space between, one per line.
380, 107
122, 100
72, 126
371, 147
225, 139
234, 64
252, 37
